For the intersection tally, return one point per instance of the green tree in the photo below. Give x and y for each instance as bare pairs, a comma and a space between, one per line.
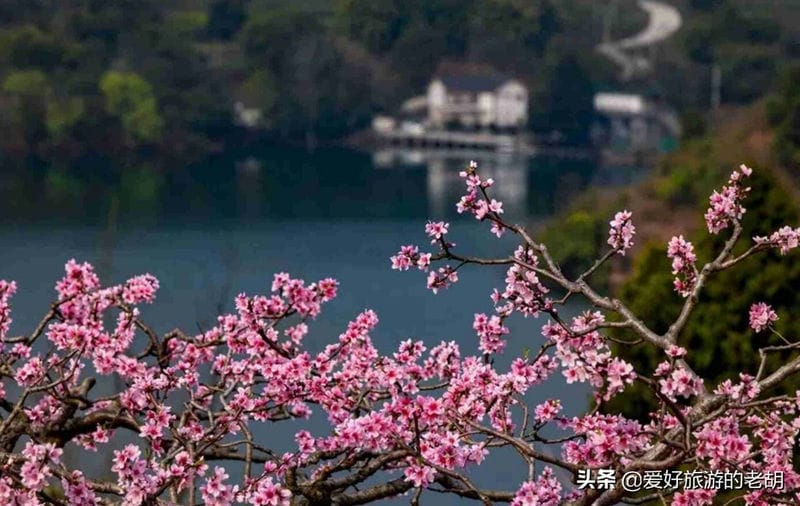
187, 25
27, 83
28, 47
225, 18
783, 113
63, 114
717, 332
375, 24
740, 42
129, 97
396, 30
575, 241
29, 91
510, 32
324, 88
565, 104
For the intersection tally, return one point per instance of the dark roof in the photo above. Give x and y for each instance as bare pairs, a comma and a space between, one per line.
473, 83
468, 76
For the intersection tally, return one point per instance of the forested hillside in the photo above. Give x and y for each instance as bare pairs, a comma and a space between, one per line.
91, 76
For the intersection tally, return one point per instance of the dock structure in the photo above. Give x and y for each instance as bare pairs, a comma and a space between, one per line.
440, 139
411, 141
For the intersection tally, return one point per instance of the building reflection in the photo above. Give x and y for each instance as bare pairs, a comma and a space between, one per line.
510, 174
443, 184
250, 198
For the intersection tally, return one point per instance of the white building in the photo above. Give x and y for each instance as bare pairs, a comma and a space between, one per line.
475, 97
634, 122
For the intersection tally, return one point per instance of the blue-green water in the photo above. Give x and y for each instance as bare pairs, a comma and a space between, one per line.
223, 227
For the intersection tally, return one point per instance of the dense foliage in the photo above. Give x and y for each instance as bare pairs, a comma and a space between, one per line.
718, 348
783, 110
319, 70
87, 76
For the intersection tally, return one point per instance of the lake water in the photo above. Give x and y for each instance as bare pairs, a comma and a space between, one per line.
222, 227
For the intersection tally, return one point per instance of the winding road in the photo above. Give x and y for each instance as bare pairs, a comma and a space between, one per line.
664, 21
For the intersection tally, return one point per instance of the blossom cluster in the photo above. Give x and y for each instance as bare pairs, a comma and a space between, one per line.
545, 490
259, 374
675, 381
606, 439
762, 316
725, 206
620, 235
409, 256
524, 291
683, 258
585, 356
475, 201
785, 239
419, 416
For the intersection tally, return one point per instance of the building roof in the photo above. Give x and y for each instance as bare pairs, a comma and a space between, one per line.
470, 77
473, 83
620, 103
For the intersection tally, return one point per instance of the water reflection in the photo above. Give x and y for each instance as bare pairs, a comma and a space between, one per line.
509, 172
281, 184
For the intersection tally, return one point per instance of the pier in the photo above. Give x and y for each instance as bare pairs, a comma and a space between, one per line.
440, 139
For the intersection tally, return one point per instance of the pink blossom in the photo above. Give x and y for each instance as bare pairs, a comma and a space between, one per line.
473, 201
524, 292
683, 258
545, 491
762, 316
77, 491
405, 258
496, 207
79, 278
268, 493
279, 280
31, 373
620, 235
675, 351
678, 382
490, 331
785, 239
7, 290
424, 261
618, 374
436, 230
547, 411
698, 497
420, 475
36, 469
140, 289
725, 205
720, 442
442, 278
481, 209
497, 229
215, 492
745, 391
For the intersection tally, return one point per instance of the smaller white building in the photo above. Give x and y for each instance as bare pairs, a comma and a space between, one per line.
383, 124
476, 97
632, 122
247, 117
620, 104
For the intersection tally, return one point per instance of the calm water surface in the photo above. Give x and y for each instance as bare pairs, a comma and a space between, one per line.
223, 227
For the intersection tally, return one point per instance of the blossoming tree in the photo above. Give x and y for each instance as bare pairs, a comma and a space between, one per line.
419, 419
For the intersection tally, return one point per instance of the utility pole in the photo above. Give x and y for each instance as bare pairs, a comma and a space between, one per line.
716, 86
608, 20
